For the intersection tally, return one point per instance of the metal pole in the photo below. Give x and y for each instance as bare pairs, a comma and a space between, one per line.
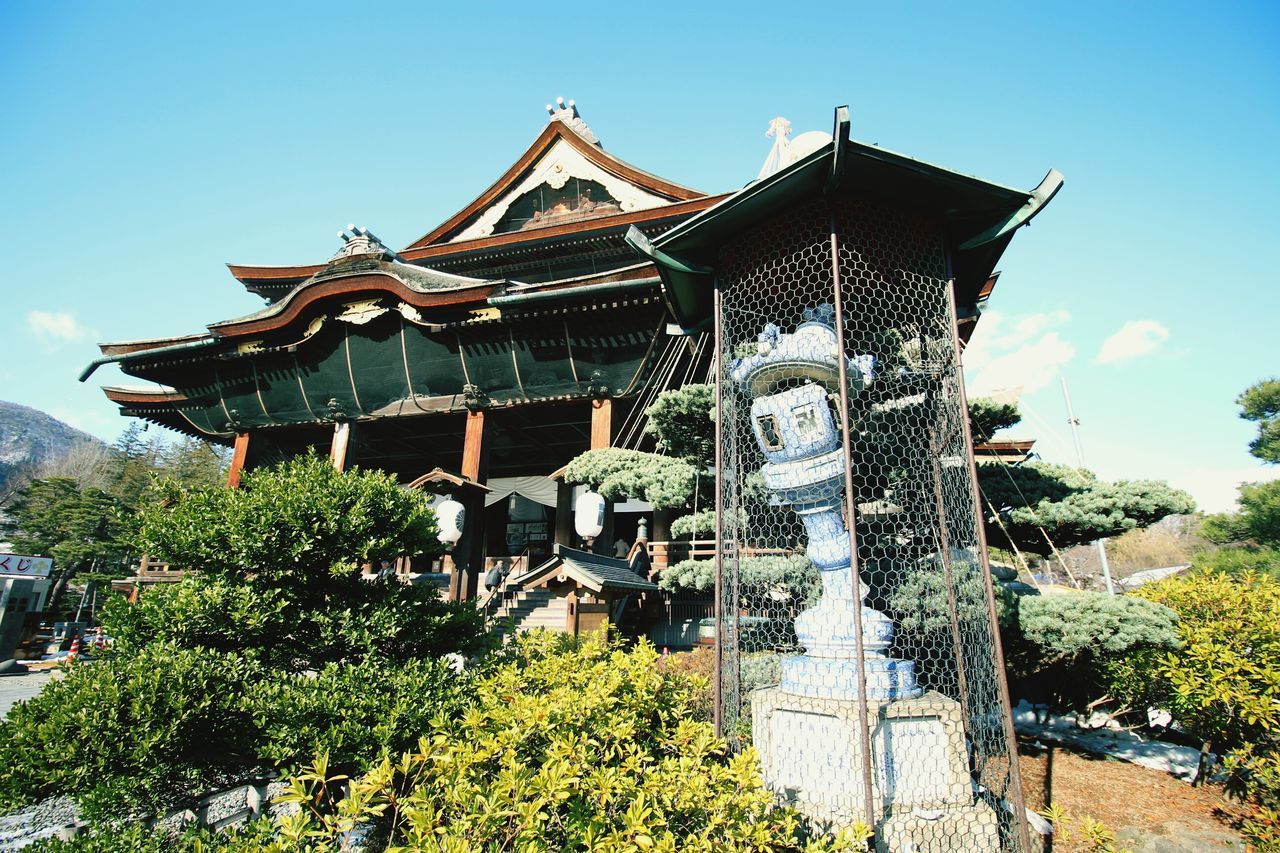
1002, 686
1075, 433
717, 689
944, 551
864, 732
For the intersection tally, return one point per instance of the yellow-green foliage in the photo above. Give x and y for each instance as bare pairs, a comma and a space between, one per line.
570, 745
1095, 836
1223, 684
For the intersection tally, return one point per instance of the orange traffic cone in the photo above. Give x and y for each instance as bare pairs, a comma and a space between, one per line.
74, 651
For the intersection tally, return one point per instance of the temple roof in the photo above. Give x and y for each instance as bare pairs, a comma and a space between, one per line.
591, 571
560, 153
565, 194
979, 217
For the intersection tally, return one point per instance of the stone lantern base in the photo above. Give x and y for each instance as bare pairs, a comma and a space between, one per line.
924, 801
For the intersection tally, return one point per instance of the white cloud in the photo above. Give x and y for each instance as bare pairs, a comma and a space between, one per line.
55, 325
1019, 354
1134, 339
997, 334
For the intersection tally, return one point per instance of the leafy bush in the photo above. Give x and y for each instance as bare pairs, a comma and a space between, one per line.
278, 571
1223, 683
701, 523
291, 524
165, 720
1071, 505
1065, 628
1258, 519
1240, 560
571, 744
1076, 647
760, 669
682, 422
918, 598
789, 577
1253, 776
616, 473
353, 712
151, 729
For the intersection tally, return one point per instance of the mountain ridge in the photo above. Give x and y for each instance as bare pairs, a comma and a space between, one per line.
29, 437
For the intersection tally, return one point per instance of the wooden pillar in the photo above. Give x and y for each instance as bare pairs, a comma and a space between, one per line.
601, 438
661, 533
564, 513
340, 446
571, 613
601, 424
468, 554
239, 454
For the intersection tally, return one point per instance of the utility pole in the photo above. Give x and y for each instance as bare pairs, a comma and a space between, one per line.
1075, 434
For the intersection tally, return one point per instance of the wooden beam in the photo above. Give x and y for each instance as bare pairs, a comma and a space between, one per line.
601, 424
238, 456
468, 554
473, 445
340, 446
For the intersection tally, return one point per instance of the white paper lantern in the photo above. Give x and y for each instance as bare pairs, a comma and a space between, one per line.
588, 515
450, 514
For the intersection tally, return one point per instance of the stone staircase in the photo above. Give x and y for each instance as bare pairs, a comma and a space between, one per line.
529, 609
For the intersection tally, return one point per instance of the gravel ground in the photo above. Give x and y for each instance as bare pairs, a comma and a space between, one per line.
17, 688
42, 820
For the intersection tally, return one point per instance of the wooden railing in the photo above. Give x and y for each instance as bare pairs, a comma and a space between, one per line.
663, 554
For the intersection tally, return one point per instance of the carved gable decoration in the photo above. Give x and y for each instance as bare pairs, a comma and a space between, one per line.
563, 186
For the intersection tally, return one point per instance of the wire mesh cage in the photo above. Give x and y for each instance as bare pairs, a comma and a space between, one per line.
861, 660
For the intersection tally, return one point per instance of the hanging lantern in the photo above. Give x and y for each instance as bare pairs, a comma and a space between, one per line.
450, 514
588, 515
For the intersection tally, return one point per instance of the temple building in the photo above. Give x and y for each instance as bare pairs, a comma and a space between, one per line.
537, 322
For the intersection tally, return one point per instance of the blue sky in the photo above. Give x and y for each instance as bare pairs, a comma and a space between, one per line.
144, 146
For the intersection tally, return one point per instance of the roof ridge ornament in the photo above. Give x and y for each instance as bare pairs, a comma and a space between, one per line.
786, 150
779, 130
360, 241
567, 112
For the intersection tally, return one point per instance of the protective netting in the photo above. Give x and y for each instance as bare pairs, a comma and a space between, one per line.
805, 674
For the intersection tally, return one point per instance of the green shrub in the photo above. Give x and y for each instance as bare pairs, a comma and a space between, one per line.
570, 745
1223, 684
1253, 777
1239, 560
297, 522
165, 720
615, 473
759, 669
353, 712
681, 420
1065, 628
278, 572
793, 578
1075, 648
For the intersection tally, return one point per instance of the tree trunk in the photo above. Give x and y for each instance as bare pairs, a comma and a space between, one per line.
60, 587
1202, 766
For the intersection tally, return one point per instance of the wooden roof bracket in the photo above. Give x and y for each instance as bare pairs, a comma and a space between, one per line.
1039, 197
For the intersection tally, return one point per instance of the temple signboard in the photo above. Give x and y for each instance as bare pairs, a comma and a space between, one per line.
17, 565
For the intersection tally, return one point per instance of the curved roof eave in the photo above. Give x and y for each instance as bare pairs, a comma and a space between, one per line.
410, 286
984, 213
